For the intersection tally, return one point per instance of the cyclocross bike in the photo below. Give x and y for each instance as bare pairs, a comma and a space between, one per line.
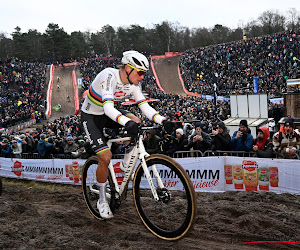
163, 193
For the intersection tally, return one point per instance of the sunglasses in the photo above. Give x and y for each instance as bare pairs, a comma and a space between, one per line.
139, 71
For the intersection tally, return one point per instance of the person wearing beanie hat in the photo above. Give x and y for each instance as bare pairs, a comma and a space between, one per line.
287, 140
180, 131
71, 146
244, 123
198, 125
289, 122
242, 140
262, 145
182, 140
221, 125
221, 140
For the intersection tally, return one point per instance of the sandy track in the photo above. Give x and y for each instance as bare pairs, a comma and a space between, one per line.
167, 74
66, 88
55, 216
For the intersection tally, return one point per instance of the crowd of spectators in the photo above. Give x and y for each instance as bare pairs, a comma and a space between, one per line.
60, 138
21, 91
64, 138
272, 58
284, 144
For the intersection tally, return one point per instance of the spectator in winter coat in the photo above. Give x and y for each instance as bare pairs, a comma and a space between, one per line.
287, 141
44, 147
25, 146
16, 148
182, 140
262, 145
7, 152
151, 142
221, 140
200, 140
242, 140
35, 144
71, 146
58, 147
167, 144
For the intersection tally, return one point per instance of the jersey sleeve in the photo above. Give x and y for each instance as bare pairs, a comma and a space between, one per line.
147, 110
107, 93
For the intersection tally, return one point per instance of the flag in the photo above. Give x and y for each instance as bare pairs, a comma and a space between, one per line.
255, 84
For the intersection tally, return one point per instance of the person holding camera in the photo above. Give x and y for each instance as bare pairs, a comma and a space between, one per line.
262, 145
199, 140
221, 140
242, 140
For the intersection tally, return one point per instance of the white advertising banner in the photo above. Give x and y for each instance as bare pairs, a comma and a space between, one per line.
208, 174
261, 174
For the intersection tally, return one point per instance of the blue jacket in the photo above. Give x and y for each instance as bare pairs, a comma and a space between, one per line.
42, 147
244, 143
8, 151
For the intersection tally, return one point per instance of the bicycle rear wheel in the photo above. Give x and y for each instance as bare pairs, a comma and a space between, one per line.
174, 214
90, 187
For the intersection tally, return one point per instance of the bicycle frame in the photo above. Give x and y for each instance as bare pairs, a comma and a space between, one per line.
138, 153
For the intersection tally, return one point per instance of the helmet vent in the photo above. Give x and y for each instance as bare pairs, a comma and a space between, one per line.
145, 65
136, 61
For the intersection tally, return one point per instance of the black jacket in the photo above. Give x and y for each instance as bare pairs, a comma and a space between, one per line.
182, 143
268, 151
152, 145
221, 141
168, 145
200, 145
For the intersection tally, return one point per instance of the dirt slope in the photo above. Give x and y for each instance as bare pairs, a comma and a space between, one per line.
53, 216
167, 74
66, 88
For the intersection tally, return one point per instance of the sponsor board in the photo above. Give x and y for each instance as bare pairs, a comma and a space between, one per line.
208, 174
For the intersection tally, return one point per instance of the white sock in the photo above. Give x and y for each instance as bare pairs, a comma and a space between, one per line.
102, 193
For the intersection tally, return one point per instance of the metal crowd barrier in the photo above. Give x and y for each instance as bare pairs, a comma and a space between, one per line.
177, 154
229, 153
185, 154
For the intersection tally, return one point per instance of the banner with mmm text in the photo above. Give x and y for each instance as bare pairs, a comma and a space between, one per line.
204, 176
208, 174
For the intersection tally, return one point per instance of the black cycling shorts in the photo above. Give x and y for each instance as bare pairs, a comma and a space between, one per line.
93, 126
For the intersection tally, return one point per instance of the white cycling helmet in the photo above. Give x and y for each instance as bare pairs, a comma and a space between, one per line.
135, 59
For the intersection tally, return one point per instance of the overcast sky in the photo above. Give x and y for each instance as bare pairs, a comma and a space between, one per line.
83, 15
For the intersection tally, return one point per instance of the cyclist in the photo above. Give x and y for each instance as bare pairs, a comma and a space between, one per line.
98, 111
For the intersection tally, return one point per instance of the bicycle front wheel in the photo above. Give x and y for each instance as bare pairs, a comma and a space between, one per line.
90, 187
174, 214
